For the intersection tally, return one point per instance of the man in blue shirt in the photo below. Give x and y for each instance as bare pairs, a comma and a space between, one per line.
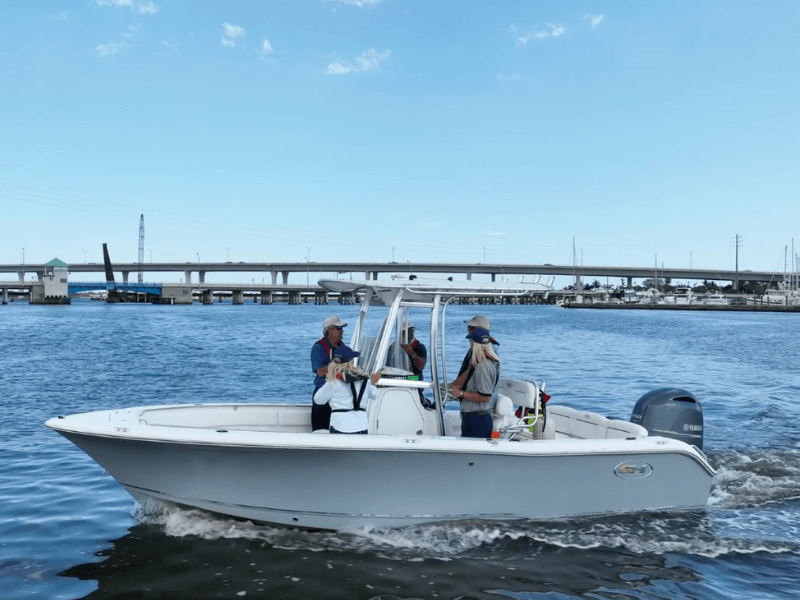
321, 356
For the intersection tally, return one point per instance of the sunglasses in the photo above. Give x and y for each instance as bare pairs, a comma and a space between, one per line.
339, 327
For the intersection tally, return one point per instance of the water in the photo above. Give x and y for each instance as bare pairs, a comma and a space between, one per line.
69, 531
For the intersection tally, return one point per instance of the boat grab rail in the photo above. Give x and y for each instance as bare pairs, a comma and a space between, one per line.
476, 293
403, 383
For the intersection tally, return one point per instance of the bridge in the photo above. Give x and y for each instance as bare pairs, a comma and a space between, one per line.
371, 270
180, 293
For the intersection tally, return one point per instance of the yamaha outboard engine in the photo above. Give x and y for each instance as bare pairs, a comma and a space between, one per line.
671, 413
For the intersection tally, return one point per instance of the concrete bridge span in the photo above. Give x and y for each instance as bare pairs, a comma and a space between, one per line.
371, 270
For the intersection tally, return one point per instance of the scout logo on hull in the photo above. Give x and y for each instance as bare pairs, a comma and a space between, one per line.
636, 469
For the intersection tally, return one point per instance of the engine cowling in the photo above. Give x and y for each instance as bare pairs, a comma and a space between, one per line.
672, 413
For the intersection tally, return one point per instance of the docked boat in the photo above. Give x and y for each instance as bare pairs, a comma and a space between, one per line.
261, 461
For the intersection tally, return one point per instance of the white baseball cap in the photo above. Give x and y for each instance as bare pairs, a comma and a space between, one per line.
332, 321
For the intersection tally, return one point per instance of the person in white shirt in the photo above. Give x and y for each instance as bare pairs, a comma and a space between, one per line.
348, 389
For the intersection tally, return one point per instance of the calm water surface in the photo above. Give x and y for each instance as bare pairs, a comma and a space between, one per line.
69, 531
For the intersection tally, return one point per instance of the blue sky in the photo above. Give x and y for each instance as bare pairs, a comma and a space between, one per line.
367, 130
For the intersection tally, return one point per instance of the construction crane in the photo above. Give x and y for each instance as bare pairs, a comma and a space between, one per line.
141, 246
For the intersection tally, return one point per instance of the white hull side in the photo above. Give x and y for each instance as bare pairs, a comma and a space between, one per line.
339, 488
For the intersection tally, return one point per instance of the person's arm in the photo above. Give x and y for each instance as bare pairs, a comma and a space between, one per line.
324, 394
319, 360
455, 386
419, 357
474, 396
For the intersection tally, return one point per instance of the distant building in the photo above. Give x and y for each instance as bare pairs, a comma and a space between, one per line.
52, 285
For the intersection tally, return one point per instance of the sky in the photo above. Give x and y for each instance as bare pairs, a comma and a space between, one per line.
637, 133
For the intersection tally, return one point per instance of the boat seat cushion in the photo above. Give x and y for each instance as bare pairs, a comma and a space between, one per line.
624, 429
503, 414
590, 426
521, 393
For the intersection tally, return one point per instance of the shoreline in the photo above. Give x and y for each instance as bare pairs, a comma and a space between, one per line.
700, 307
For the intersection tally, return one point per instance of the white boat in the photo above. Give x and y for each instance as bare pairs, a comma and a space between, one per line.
716, 299
262, 461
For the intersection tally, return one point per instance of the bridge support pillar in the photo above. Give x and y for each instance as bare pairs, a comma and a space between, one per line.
187, 277
125, 276
274, 275
5, 296
208, 297
238, 296
21, 276
202, 276
630, 282
294, 297
320, 297
266, 297
493, 276
285, 277
219, 298
469, 276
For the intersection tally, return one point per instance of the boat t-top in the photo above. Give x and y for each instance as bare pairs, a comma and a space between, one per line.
262, 462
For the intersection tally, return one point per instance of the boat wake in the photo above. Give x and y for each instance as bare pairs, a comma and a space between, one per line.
755, 477
736, 522
752, 509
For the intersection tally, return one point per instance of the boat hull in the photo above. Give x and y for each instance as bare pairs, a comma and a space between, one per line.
300, 480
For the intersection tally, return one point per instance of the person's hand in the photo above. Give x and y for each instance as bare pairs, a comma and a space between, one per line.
407, 348
455, 391
375, 377
322, 371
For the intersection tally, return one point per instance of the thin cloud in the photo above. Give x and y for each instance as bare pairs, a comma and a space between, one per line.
231, 34
367, 61
62, 16
358, 3
131, 30
109, 49
144, 8
595, 20
551, 31
266, 47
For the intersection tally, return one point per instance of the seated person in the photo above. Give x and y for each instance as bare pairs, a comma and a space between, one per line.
348, 390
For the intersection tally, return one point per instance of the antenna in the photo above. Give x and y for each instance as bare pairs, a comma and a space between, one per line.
738, 245
141, 246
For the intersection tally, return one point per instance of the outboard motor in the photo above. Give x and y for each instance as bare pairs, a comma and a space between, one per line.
672, 413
